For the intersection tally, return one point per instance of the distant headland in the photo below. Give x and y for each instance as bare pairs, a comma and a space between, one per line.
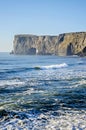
62, 45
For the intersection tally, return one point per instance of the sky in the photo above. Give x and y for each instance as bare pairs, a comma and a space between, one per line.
39, 17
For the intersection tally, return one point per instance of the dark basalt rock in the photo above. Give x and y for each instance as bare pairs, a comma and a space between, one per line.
3, 113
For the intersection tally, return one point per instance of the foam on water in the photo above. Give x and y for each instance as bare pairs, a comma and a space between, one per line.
73, 120
11, 82
57, 66
52, 98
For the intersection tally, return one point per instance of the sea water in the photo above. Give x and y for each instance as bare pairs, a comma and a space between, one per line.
42, 92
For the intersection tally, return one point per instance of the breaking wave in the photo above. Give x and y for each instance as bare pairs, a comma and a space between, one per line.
57, 66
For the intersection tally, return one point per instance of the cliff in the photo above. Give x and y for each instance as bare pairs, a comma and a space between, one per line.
62, 45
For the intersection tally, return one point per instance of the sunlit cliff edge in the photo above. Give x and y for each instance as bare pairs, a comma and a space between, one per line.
62, 45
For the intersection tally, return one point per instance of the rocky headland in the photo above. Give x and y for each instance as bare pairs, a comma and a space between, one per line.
61, 45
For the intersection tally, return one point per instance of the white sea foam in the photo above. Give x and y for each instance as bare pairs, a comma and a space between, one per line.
67, 121
10, 82
56, 66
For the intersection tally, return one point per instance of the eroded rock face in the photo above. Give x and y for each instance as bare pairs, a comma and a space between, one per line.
73, 44
30, 44
62, 45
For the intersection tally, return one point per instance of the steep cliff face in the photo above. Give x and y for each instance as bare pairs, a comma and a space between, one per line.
31, 44
62, 45
72, 44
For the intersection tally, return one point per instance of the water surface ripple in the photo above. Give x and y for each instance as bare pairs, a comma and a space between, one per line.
42, 92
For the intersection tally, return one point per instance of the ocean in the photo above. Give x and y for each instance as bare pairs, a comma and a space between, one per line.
42, 92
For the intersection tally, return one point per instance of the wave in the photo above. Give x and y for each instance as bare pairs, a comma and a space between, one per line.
80, 62
25, 69
61, 120
14, 70
57, 66
11, 82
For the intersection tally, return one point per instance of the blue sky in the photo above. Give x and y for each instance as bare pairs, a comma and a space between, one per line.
39, 17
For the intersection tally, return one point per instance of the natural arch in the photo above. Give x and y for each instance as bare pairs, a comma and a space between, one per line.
84, 50
70, 49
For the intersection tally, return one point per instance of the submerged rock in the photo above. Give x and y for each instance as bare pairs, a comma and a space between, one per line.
3, 113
